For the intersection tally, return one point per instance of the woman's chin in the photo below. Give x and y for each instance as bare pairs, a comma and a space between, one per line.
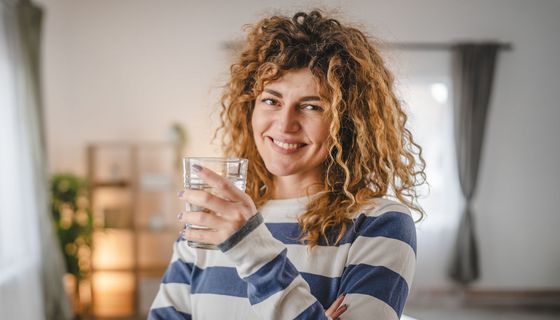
279, 170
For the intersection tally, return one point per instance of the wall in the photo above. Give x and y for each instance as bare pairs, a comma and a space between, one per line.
127, 69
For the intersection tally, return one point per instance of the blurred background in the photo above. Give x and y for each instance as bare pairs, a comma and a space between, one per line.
100, 99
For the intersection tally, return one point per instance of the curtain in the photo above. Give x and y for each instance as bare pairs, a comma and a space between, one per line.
31, 265
473, 72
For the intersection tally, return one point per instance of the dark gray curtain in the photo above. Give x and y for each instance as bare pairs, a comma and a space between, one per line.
23, 21
473, 73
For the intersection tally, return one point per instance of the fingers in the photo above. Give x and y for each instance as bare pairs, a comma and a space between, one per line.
336, 309
207, 236
340, 311
336, 304
207, 200
201, 218
206, 227
220, 184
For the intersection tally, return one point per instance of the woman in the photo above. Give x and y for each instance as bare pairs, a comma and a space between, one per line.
311, 105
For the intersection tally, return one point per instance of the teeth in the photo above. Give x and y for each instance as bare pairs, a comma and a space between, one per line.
287, 146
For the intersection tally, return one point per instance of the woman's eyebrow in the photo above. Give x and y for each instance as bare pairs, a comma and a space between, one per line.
279, 95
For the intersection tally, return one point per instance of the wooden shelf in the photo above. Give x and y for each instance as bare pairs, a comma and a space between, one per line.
167, 229
144, 229
147, 172
111, 184
153, 269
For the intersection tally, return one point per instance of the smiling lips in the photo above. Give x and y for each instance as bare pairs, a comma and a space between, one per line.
284, 147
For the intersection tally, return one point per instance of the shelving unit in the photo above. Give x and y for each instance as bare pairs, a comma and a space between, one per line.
133, 198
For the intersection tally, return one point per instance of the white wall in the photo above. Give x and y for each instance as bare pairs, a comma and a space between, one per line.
125, 70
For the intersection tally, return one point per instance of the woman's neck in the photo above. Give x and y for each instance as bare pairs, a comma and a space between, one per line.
294, 187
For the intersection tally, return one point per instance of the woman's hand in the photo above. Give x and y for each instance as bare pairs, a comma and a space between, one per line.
230, 209
335, 310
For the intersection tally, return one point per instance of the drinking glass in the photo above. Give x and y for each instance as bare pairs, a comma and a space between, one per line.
233, 169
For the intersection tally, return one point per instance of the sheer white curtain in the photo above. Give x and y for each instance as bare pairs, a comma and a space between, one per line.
20, 258
424, 84
30, 259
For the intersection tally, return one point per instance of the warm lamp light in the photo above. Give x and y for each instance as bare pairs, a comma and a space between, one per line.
113, 291
113, 294
113, 249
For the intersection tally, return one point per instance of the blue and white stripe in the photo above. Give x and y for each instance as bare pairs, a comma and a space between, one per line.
269, 274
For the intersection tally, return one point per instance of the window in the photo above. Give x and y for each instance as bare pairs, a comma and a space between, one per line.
424, 84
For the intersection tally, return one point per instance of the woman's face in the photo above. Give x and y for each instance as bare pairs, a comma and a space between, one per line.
289, 128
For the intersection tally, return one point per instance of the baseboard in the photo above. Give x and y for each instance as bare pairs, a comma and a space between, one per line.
527, 298
524, 298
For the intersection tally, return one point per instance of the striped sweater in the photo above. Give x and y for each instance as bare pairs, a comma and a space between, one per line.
266, 273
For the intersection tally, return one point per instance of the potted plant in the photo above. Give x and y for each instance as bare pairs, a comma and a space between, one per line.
74, 224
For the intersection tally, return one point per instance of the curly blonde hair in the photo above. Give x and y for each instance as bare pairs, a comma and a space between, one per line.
371, 152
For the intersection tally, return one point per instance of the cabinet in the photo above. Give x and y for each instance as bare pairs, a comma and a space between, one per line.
134, 203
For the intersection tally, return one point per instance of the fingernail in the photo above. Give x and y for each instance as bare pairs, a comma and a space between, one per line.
196, 168
180, 215
180, 193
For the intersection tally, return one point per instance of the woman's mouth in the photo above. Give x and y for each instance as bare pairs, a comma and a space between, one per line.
286, 147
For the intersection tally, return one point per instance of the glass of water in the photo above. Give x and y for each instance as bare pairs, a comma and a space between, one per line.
233, 169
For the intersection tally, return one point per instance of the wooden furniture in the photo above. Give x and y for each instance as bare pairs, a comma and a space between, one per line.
133, 198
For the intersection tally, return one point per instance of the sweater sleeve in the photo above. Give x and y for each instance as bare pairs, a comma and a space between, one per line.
376, 277
380, 265
173, 298
275, 288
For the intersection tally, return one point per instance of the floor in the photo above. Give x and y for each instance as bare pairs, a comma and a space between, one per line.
481, 313
450, 313
424, 313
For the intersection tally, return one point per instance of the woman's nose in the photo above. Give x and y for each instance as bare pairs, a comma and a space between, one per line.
288, 120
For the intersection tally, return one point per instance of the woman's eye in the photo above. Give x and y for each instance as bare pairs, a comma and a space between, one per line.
269, 101
311, 107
